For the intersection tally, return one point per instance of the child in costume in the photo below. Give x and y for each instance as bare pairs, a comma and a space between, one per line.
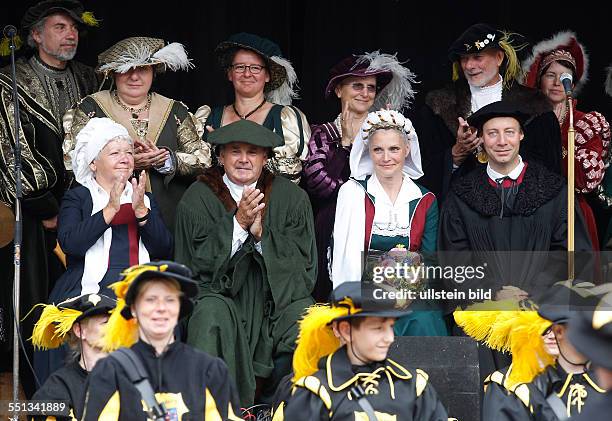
341, 369
78, 322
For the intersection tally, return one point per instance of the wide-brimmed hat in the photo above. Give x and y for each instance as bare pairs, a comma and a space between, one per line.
394, 81
476, 38
359, 301
360, 161
590, 332
245, 131
122, 328
282, 87
498, 109
482, 36
73, 8
51, 329
563, 46
564, 298
143, 51
348, 300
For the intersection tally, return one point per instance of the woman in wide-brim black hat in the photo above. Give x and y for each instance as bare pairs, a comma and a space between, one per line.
264, 85
150, 300
361, 83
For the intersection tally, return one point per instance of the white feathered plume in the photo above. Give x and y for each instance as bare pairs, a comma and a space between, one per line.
172, 56
399, 93
287, 92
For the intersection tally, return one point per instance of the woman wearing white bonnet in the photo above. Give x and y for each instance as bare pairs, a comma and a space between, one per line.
108, 223
382, 207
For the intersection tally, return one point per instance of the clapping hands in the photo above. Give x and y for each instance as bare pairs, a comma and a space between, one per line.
249, 213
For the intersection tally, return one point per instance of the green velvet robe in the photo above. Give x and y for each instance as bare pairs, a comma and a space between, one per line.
249, 303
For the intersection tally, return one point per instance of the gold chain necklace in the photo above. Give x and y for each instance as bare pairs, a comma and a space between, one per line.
133, 111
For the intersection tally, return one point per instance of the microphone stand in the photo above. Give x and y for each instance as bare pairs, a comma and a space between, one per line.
18, 223
570, 190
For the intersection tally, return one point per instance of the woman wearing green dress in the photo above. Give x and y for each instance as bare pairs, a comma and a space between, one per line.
382, 212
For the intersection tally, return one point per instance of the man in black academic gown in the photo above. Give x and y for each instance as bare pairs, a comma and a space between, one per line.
591, 333
509, 217
509, 205
485, 70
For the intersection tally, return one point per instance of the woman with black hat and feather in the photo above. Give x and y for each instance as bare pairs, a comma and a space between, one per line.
264, 84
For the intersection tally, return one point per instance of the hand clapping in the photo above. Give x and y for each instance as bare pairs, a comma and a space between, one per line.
467, 141
249, 211
138, 192
147, 155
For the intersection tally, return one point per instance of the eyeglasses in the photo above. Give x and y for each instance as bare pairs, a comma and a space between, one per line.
359, 86
253, 68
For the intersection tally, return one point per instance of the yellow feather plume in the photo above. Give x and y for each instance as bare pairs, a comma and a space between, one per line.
513, 65
456, 71
5, 45
529, 357
316, 338
477, 319
89, 19
45, 334
504, 327
118, 331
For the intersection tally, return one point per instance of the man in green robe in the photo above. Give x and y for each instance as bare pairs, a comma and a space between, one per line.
249, 238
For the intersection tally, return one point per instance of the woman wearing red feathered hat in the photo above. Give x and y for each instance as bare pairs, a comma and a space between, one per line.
549, 60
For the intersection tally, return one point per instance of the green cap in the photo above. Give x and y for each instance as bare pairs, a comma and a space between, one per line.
246, 131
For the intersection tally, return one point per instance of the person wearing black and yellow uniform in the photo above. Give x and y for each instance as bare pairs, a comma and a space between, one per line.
354, 379
548, 378
189, 383
591, 332
82, 320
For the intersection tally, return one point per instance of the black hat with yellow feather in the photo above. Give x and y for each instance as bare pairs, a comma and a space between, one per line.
480, 37
56, 321
122, 328
41, 10
348, 301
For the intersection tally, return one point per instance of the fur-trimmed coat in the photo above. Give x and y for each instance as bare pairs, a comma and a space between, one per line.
437, 124
471, 228
249, 302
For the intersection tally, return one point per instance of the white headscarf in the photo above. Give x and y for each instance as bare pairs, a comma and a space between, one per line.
360, 162
90, 141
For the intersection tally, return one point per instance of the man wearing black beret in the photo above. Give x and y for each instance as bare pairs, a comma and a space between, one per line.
486, 69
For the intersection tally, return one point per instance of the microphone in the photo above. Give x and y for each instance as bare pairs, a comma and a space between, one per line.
9, 31
566, 80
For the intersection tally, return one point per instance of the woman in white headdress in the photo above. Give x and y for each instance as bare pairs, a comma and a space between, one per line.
361, 83
108, 223
383, 214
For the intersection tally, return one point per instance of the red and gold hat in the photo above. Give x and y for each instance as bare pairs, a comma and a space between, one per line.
563, 46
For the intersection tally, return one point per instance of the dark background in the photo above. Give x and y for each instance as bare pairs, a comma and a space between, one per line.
314, 35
